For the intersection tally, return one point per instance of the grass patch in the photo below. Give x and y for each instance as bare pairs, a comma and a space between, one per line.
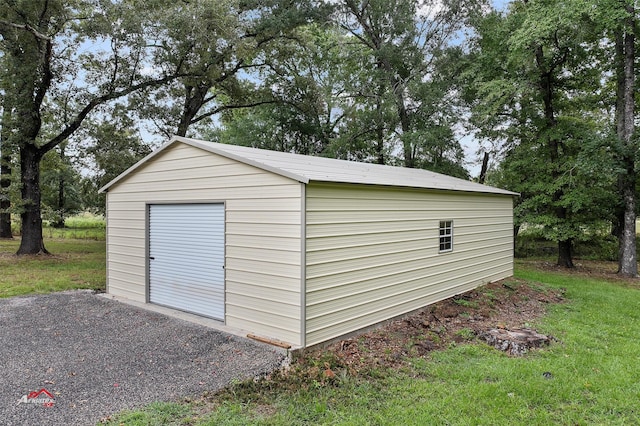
157, 414
589, 376
75, 264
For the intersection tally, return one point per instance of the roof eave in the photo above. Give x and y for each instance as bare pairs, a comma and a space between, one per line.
488, 191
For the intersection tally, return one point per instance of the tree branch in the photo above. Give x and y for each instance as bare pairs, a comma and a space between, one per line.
25, 27
47, 75
100, 100
230, 107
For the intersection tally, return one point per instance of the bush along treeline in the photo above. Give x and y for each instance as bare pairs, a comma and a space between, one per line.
545, 87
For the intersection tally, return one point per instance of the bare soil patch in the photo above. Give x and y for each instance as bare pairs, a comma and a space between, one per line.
505, 304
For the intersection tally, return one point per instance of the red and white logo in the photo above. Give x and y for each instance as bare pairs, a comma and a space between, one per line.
42, 396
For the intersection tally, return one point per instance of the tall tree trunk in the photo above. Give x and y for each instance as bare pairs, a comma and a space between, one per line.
553, 145
401, 108
409, 154
617, 225
5, 174
380, 127
620, 81
59, 223
32, 242
194, 99
405, 121
483, 170
627, 262
5, 200
565, 253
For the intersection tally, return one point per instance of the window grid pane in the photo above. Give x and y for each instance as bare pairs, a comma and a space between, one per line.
446, 235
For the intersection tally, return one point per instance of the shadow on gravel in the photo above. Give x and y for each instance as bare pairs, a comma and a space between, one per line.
94, 357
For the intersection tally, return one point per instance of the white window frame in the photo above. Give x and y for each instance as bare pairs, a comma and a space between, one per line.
445, 236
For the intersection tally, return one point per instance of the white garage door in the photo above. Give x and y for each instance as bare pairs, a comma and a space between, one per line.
186, 257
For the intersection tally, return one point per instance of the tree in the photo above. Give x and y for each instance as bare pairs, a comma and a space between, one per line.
46, 60
309, 80
625, 56
403, 40
335, 91
109, 147
60, 183
218, 52
532, 80
615, 23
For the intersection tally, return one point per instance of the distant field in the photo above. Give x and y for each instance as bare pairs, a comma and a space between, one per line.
85, 226
77, 260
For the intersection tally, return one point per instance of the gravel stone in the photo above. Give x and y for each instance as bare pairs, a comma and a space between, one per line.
98, 356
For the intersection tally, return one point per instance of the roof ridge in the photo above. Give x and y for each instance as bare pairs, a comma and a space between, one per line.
307, 168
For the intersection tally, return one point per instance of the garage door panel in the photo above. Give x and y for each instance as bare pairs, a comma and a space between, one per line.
185, 280
189, 291
186, 257
176, 266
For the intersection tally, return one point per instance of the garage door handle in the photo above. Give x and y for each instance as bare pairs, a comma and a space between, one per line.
152, 258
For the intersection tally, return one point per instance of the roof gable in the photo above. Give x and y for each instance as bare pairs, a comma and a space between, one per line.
304, 169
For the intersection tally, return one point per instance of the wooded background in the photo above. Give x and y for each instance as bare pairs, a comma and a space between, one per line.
545, 87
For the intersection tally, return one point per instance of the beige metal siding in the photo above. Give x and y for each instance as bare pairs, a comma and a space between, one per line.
263, 234
372, 252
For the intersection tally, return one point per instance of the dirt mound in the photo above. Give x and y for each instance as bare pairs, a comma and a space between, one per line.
505, 304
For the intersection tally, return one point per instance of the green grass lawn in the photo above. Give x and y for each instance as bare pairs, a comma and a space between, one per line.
589, 376
73, 264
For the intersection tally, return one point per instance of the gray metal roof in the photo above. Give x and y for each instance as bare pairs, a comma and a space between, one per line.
305, 169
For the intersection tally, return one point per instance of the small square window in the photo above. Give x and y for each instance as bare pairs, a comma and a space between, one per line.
446, 235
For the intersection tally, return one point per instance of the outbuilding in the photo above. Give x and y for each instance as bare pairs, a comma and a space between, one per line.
295, 248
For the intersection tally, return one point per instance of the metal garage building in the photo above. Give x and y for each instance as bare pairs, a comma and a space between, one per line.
296, 248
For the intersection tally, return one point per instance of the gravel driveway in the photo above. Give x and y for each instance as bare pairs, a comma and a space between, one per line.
97, 356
